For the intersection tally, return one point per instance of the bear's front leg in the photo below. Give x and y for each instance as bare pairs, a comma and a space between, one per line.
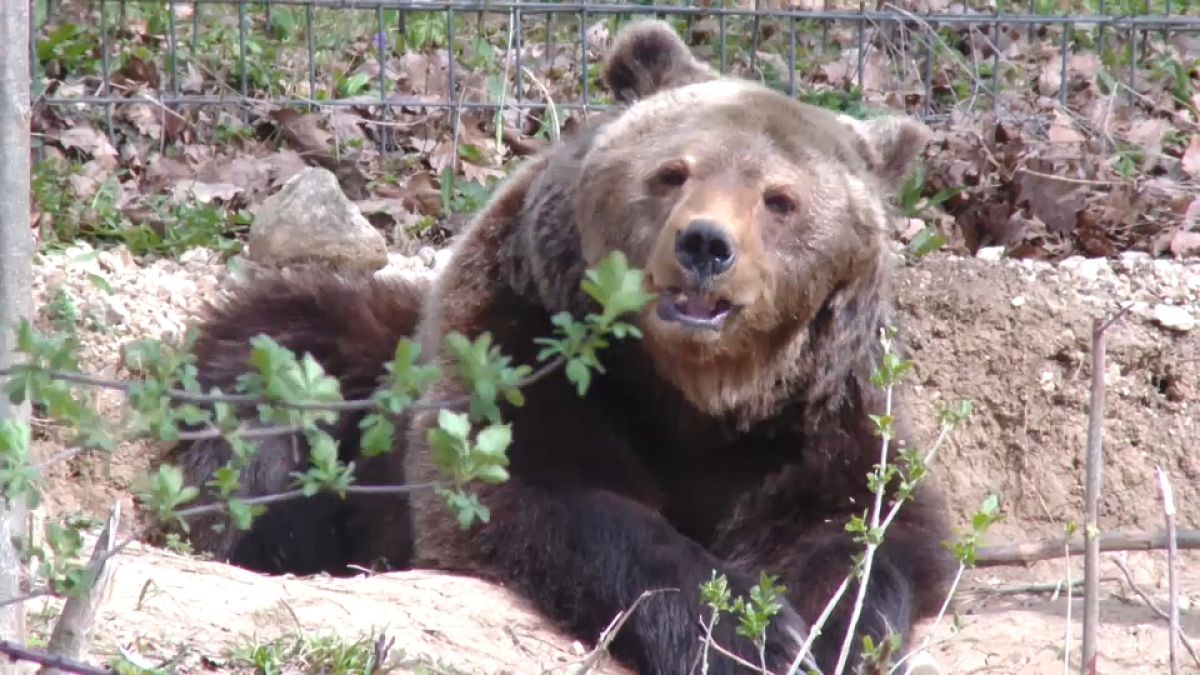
576, 529
906, 582
584, 556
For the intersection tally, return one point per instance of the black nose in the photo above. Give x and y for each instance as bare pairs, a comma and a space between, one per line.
704, 248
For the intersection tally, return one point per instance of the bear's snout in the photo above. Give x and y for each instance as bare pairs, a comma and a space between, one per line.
705, 249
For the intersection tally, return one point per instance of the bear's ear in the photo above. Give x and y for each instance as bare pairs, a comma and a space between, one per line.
893, 142
647, 57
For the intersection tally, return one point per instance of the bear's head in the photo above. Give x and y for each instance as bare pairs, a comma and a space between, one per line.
759, 221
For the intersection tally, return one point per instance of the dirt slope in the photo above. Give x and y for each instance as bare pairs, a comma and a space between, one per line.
1012, 337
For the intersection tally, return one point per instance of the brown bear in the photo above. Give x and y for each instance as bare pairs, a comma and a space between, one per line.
733, 438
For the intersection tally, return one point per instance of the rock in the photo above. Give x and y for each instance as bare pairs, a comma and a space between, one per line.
1174, 318
428, 255
310, 220
198, 255
990, 253
923, 663
1092, 268
1133, 258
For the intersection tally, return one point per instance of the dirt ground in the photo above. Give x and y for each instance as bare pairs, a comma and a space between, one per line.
1012, 337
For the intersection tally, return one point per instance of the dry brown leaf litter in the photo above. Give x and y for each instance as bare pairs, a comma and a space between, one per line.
1108, 168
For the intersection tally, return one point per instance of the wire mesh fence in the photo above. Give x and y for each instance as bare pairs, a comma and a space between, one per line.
391, 60
420, 107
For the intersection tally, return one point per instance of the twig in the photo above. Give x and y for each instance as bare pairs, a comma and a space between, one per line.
1091, 529
937, 621
218, 507
51, 592
1183, 638
379, 653
16, 652
710, 642
1164, 482
1035, 551
815, 629
348, 405
1074, 181
609, 633
1024, 589
1070, 601
248, 434
73, 628
57, 457
872, 545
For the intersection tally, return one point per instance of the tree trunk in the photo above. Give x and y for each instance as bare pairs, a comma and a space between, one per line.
16, 273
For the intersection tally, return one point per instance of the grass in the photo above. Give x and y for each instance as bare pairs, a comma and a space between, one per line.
330, 654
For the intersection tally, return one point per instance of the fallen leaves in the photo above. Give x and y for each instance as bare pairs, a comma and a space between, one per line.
1057, 163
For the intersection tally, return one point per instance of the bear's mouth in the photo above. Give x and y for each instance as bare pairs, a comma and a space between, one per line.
694, 310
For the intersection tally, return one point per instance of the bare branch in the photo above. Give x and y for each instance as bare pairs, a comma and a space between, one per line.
16, 652
348, 405
1092, 485
41, 592
1168, 494
1187, 644
218, 507
73, 628
1034, 551
610, 632
257, 432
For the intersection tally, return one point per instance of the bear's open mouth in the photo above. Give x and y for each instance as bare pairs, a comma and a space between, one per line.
694, 310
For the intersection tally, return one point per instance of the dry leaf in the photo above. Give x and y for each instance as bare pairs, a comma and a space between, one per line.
307, 133
1063, 130
1055, 203
92, 143
422, 194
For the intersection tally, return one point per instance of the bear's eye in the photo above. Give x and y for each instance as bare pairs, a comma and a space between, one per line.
672, 174
779, 202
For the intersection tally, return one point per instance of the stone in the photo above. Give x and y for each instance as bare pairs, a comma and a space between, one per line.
310, 220
1173, 318
990, 253
428, 255
1092, 268
923, 663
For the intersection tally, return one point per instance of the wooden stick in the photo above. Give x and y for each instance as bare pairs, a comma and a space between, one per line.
1034, 551
1164, 482
17, 652
1093, 472
74, 626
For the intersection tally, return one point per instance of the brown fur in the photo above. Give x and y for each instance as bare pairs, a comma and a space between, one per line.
349, 324
735, 451
759, 440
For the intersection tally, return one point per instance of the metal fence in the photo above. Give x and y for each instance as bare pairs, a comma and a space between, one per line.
388, 59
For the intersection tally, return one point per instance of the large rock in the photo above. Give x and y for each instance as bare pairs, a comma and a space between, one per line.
310, 220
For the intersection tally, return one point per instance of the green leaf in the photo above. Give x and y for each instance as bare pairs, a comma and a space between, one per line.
491, 473
927, 241
456, 424
493, 441
378, 436
578, 373
243, 514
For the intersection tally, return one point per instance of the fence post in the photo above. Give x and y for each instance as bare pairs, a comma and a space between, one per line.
16, 274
